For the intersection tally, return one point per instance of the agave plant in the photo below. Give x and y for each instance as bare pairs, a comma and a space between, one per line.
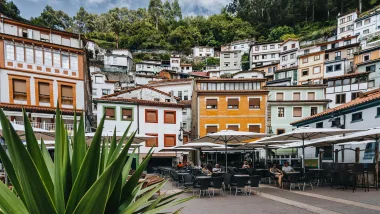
80, 179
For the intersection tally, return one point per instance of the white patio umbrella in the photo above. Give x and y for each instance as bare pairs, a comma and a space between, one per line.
177, 149
139, 138
370, 134
306, 133
229, 136
40, 133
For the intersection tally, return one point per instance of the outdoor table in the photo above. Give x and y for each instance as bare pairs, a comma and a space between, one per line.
315, 169
203, 177
241, 175
291, 173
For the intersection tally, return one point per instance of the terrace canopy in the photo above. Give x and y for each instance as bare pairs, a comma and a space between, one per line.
139, 138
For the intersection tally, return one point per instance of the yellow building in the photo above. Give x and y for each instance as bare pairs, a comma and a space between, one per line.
311, 68
234, 104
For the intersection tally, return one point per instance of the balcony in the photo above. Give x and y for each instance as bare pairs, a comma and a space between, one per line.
115, 69
46, 126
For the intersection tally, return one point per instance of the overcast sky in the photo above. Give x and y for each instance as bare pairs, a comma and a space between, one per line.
32, 8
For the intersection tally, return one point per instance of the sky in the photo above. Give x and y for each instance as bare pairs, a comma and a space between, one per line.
33, 8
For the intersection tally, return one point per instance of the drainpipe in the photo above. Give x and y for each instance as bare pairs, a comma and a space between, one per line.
138, 119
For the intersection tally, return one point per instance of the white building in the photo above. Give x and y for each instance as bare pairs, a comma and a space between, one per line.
345, 26
240, 45
288, 54
230, 61
148, 66
175, 63
40, 68
151, 112
203, 51
249, 74
264, 53
186, 68
361, 113
367, 25
119, 60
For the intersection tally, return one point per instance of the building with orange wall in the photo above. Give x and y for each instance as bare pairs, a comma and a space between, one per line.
234, 104
40, 67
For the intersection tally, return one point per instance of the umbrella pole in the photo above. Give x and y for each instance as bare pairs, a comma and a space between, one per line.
225, 145
377, 161
216, 157
303, 154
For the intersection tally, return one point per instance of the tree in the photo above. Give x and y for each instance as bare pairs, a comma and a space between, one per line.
10, 10
155, 9
177, 10
53, 19
81, 20
168, 12
116, 23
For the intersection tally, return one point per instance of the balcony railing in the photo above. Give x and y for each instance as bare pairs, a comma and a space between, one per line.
46, 126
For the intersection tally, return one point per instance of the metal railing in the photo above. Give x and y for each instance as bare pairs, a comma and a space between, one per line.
46, 126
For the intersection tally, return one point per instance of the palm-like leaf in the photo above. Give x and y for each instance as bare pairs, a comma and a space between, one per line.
81, 179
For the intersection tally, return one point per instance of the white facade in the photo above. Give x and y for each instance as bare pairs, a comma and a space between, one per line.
345, 26
181, 88
230, 61
175, 64
264, 53
186, 68
147, 66
288, 54
118, 61
203, 51
367, 26
241, 45
248, 74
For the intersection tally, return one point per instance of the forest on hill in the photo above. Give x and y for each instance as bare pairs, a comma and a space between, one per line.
163, 26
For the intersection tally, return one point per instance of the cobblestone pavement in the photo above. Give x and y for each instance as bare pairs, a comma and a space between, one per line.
274, 200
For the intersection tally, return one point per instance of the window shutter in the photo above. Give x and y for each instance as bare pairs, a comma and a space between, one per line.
254, 128
254, 102
153, 141
296, 96
311, 96
297, 112
233, 102
66, 91
233, 127
110, 112
211, 102
279, 96
19, 86
126, 114
169, 117
151, 116
169, 140
44, 88
211, 129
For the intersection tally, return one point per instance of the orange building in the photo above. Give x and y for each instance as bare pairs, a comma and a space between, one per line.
233, 104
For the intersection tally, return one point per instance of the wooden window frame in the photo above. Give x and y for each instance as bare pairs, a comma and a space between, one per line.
170, 135
228, 125
153, 135
297, 92
10, 83
37, 89
73, 85
175, 116
217, 103
146, 115
293, 111
249, 129
282, 96
217, 128
104, 112
121, 113
277, 130
249, 106
228, 106
311, 92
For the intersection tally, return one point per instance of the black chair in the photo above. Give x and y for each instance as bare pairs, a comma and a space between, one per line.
307, 179
358, 172
255, 183
240, 184
187, 181
203, 187
218, 185
227, 181
243, 171
292, 179
175, 178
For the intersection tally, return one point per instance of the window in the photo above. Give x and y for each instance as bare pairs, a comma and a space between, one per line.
347, 42
284, 58
180, 94
319, 125
151, 116
94, 92
337, 55
19, 89
366, 57
44, 92
293, 45
366, 31
271, 46
226, 64
254, 103
273, 56
38, 55
29, 55
20, 53
65, 61
233, 103
357, 117
359, 24
324, 47
226, 56
67, 95
337, 67
169, 140
170, 117
211, 103
349, 18
279, 96
185, 95
350, 52
329, 68
371, 83
316, 70
254, 128
305, 60
297, 111
371, 68
340, 98
114, 60
311, 95
342, 20
264, 56
342, 29
281, 112
57, 60
74, 63
296, 96
106, 91
211, 129
306, 51
346, 81
257, 48
354, 95
285, 48
335, 45
110, 113
313, 111
256, 57
367, 21
233, 127
280, 131
317, 57
338, 82
10, 51
152, 142
47, 58
378, 112
305, 72
98, 79
327, 56
264, 47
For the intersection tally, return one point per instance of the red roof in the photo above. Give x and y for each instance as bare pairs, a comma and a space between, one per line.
141, 102
203, 74
137, 88
37, 108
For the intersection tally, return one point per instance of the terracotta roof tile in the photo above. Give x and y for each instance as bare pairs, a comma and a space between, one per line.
347, 75
368, 96
169, 81
232, 80
185, 102
36, 108
233, 91
141, 102
137, 88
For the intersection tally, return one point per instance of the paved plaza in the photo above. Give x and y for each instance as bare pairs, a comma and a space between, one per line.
274, 200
